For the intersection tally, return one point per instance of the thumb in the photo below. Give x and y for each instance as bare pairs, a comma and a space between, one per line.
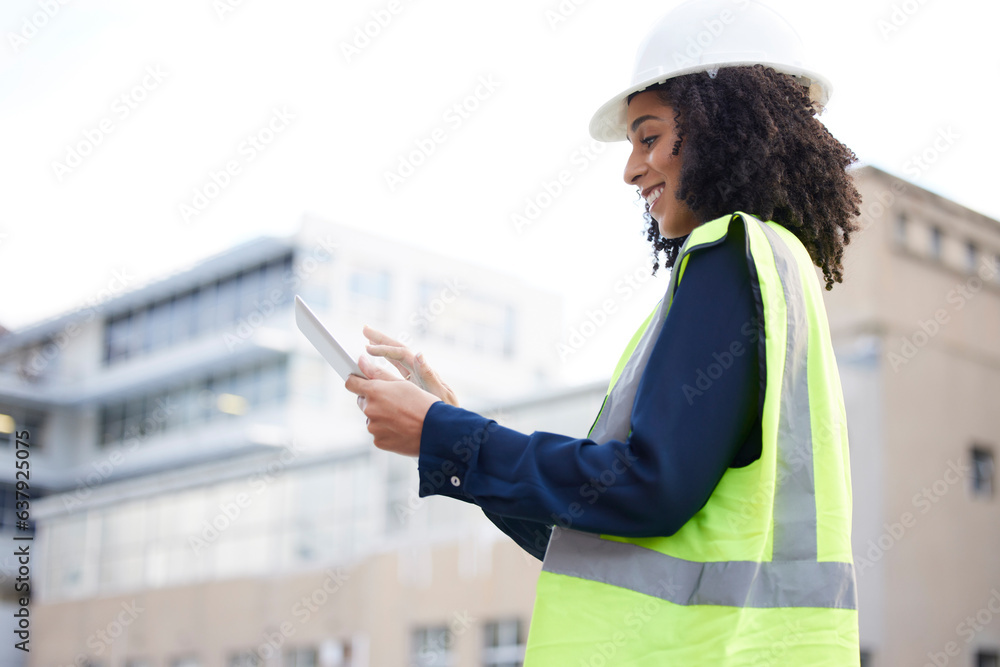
432, 382
373, 371
427, 375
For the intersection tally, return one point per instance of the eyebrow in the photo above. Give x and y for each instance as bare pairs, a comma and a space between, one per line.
642, 119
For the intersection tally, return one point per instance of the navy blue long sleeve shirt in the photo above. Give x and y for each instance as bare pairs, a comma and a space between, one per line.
696, 413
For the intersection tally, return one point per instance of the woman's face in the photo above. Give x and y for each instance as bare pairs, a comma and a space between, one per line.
653, 168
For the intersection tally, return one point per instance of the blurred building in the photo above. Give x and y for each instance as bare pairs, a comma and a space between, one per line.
213, 499
916, 327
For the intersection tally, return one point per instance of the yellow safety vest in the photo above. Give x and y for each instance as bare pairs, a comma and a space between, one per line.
763, 574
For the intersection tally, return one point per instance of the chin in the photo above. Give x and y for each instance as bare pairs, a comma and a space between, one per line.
664, 232
667, 234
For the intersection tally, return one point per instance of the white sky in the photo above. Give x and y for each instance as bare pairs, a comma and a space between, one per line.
62, 241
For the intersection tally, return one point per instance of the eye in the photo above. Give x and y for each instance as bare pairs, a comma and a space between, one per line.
648, 141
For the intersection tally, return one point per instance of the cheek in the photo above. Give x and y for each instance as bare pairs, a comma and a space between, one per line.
666, 162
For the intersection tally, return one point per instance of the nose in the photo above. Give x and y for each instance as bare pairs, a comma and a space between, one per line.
635, 167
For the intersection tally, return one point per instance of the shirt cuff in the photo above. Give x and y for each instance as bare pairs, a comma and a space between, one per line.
449, 448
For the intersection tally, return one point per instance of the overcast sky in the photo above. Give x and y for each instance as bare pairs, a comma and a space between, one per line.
170, 93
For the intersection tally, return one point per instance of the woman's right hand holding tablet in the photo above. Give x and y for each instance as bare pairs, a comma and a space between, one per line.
412, 366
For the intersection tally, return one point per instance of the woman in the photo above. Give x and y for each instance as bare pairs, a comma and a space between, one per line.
705, 520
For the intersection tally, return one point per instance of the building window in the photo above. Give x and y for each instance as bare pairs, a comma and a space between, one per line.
370, 284
370, 292
399, 504
223, 395
185, 662
936, 241
116, 338
866, 658
431, 647
183, 321
982, 472
198, 311
304, 657
971, 256
449, 313
900, 230
987, 659
244, 659
504, 644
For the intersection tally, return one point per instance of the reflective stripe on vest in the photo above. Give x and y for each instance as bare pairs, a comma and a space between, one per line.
793, 577
732, 583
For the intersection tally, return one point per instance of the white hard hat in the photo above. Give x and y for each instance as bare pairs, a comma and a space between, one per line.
704, 35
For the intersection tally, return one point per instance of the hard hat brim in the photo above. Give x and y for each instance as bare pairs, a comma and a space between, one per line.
608, 124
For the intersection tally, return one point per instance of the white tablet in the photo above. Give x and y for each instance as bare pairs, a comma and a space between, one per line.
324, 342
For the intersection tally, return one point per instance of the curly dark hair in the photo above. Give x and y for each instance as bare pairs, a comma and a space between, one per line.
752, 143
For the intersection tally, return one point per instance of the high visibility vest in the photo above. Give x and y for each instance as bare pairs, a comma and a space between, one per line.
763, 574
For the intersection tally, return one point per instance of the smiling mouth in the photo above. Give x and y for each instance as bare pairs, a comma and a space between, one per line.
654, 195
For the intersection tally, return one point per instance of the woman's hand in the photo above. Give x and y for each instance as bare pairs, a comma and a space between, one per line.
413, 367
395, 409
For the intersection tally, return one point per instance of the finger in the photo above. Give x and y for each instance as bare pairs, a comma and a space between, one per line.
391, 352
356, 384
373, 371
380, 338
427, 376
399, 357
